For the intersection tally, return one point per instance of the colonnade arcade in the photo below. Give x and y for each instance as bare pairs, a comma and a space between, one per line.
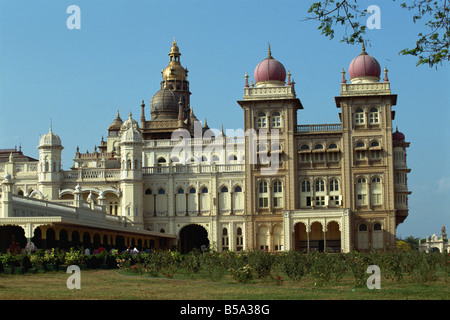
66, 236
316, 236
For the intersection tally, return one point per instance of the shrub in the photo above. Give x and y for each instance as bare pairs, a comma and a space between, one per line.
242, 273
192, 261
74, 257
426, 269
260, 262
212, 263
358, 263
322, 268
339, 266
293, 264
50, 257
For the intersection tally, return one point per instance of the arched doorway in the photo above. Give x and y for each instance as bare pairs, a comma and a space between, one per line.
333, 237
316, 239
192, 236
300, 237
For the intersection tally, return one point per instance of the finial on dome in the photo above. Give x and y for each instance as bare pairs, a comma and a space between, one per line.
343, 76
269, 56
363, 48
385, 75
246, 80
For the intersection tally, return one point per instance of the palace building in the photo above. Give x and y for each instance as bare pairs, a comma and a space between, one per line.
168, 181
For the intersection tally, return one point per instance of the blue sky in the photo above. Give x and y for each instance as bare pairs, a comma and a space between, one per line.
78, 79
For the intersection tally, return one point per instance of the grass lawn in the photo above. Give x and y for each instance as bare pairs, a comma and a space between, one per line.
120, 285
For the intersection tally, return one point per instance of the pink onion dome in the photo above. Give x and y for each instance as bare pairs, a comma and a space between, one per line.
270, 70
364, 66
398, 136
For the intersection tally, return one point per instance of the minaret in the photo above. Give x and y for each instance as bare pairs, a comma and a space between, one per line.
49, 168
131, 182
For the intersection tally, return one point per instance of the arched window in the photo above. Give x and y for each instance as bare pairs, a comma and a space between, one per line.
180, 191
359, 116
376, 191
276, 120
278, 238
239, 240
261, 120
306, 186
277, 194
263, 195
319, 156
320, 185
192, 190
232, 157
360, 144
238, 199
215, 158
224, 199
374, 116
161, 191
175, 159
334, 185
263, 238
319, 199
332, 146
304, 147
361, 192
363, 237
377, 236
204, 200
148, 191
204, 159
225, 240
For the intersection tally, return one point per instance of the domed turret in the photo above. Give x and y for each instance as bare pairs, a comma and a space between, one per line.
364, 68
164, 105
129, 123
270, 72
174, 71
131, 135
116, 124
50, 139
398, 136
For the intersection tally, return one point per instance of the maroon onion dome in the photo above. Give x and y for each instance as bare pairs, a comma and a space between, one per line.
270, 70
364, 65
398, 136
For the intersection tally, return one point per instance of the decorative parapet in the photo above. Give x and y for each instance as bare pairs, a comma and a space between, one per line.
165, 143
258, 93
376, 88
92, 174
239, 168
320, 128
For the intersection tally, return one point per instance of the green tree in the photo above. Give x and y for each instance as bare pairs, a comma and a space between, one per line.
431, 47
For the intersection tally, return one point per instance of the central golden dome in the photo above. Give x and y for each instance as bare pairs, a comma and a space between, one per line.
174, 71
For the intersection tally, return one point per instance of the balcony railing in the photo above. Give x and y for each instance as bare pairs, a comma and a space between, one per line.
320, 128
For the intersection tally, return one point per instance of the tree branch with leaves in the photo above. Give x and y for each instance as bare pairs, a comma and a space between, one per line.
431, 47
